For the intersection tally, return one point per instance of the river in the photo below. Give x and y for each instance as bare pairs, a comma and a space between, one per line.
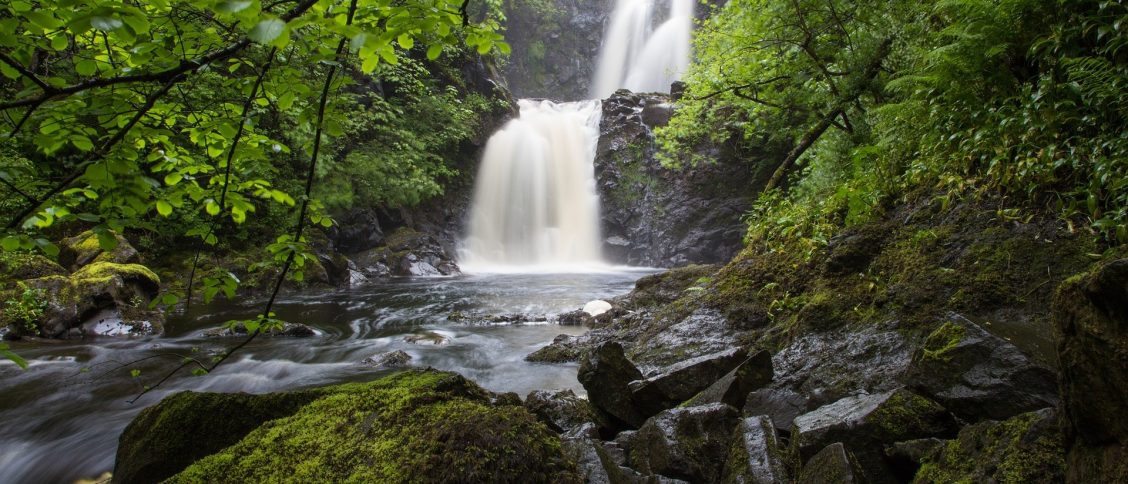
63, 415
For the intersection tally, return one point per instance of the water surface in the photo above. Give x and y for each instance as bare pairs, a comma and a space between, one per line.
61, 418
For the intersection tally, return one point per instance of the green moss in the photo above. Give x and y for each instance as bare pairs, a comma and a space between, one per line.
100, 272
15, 266
905, 414
943, 340
1024, 448
415, 426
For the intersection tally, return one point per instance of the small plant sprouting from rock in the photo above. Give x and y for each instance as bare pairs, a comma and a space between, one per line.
25, 311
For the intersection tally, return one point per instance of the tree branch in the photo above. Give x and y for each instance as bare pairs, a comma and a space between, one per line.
24, 71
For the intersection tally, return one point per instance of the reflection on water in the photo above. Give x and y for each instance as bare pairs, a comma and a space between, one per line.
62, 417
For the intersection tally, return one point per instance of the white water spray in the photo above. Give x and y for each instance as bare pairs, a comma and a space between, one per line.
535, 202
634, 57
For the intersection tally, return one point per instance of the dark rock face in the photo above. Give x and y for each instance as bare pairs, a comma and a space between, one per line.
977, 375
685, 443
734, 388
682, 381
407, 253
1091, 318
555, 47
561, 410
661, 217
605, 373
781, 405
1024, 448
755, 456
832, 465
865, 423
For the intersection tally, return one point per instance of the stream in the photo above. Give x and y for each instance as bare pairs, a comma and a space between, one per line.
63, 415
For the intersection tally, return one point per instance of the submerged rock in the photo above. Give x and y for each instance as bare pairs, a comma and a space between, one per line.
977, 375
389, 359
413, 426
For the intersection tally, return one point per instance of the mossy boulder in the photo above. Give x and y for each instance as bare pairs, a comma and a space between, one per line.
85, 248
187, 426
15, 266
1022, 449
412, 426
978, 375
1091, 319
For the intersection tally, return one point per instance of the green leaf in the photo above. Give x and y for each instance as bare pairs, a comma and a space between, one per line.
105, 23
85, 67
173, 178
406, 41
7, 353
82, 143
434, 51
106, 240
164, 208
233, 6
60, 42
212, 207
267, 30
10, 243
43, 20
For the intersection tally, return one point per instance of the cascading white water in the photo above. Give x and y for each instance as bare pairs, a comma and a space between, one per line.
534, 199
634, 57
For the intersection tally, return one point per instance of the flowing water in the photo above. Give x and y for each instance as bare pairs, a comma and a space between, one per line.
63, 415
639, 57
535, 202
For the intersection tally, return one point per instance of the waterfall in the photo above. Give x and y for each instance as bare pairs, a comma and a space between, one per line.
535, 201
634, 57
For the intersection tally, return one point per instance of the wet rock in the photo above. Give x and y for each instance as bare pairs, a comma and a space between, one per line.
905, 458
852, 250
682, 381
563, 349
755, 456
1024, 448
389, 359
780, 404
595, 464
427, 337
111, 322
656, 114
829, 365
734, 387
84, 248
574, 318
165, 438
865, 423
295, 330
832, 465
1091, 320
977, 375
561, 410
685, 443
508, 398
704, 331
605, 373
357, 230
596, 307
407, 253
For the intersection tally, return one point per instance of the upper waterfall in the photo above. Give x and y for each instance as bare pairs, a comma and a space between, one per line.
636, 56
535, 201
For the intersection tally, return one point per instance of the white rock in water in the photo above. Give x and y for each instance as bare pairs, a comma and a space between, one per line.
597, 307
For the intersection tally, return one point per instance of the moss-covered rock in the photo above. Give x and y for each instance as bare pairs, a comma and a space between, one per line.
15, 266
84, 248
413, 426
1091, 318
187, 426
1022, 449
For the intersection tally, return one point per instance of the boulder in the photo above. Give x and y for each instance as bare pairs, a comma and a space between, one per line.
977, 375
85, 248
605, 373
687, 443
595, 464
781, 405
389, 359
866, 423
17, 266
906, 457
1091, 320
564, 348
1024, 448
755, 456
834, 464
412, 426
680, 382
183, 428
561, 410
734, 387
